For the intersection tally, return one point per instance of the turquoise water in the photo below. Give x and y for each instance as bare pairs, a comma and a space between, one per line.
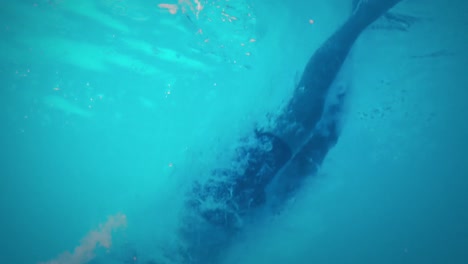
113, 108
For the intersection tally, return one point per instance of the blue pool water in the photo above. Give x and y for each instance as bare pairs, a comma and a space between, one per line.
111, 111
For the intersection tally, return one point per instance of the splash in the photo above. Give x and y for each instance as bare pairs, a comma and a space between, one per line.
184, 6
172, 8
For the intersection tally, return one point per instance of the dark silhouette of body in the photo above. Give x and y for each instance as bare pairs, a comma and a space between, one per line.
296, 147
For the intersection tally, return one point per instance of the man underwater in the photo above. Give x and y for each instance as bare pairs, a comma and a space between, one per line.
278, 159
